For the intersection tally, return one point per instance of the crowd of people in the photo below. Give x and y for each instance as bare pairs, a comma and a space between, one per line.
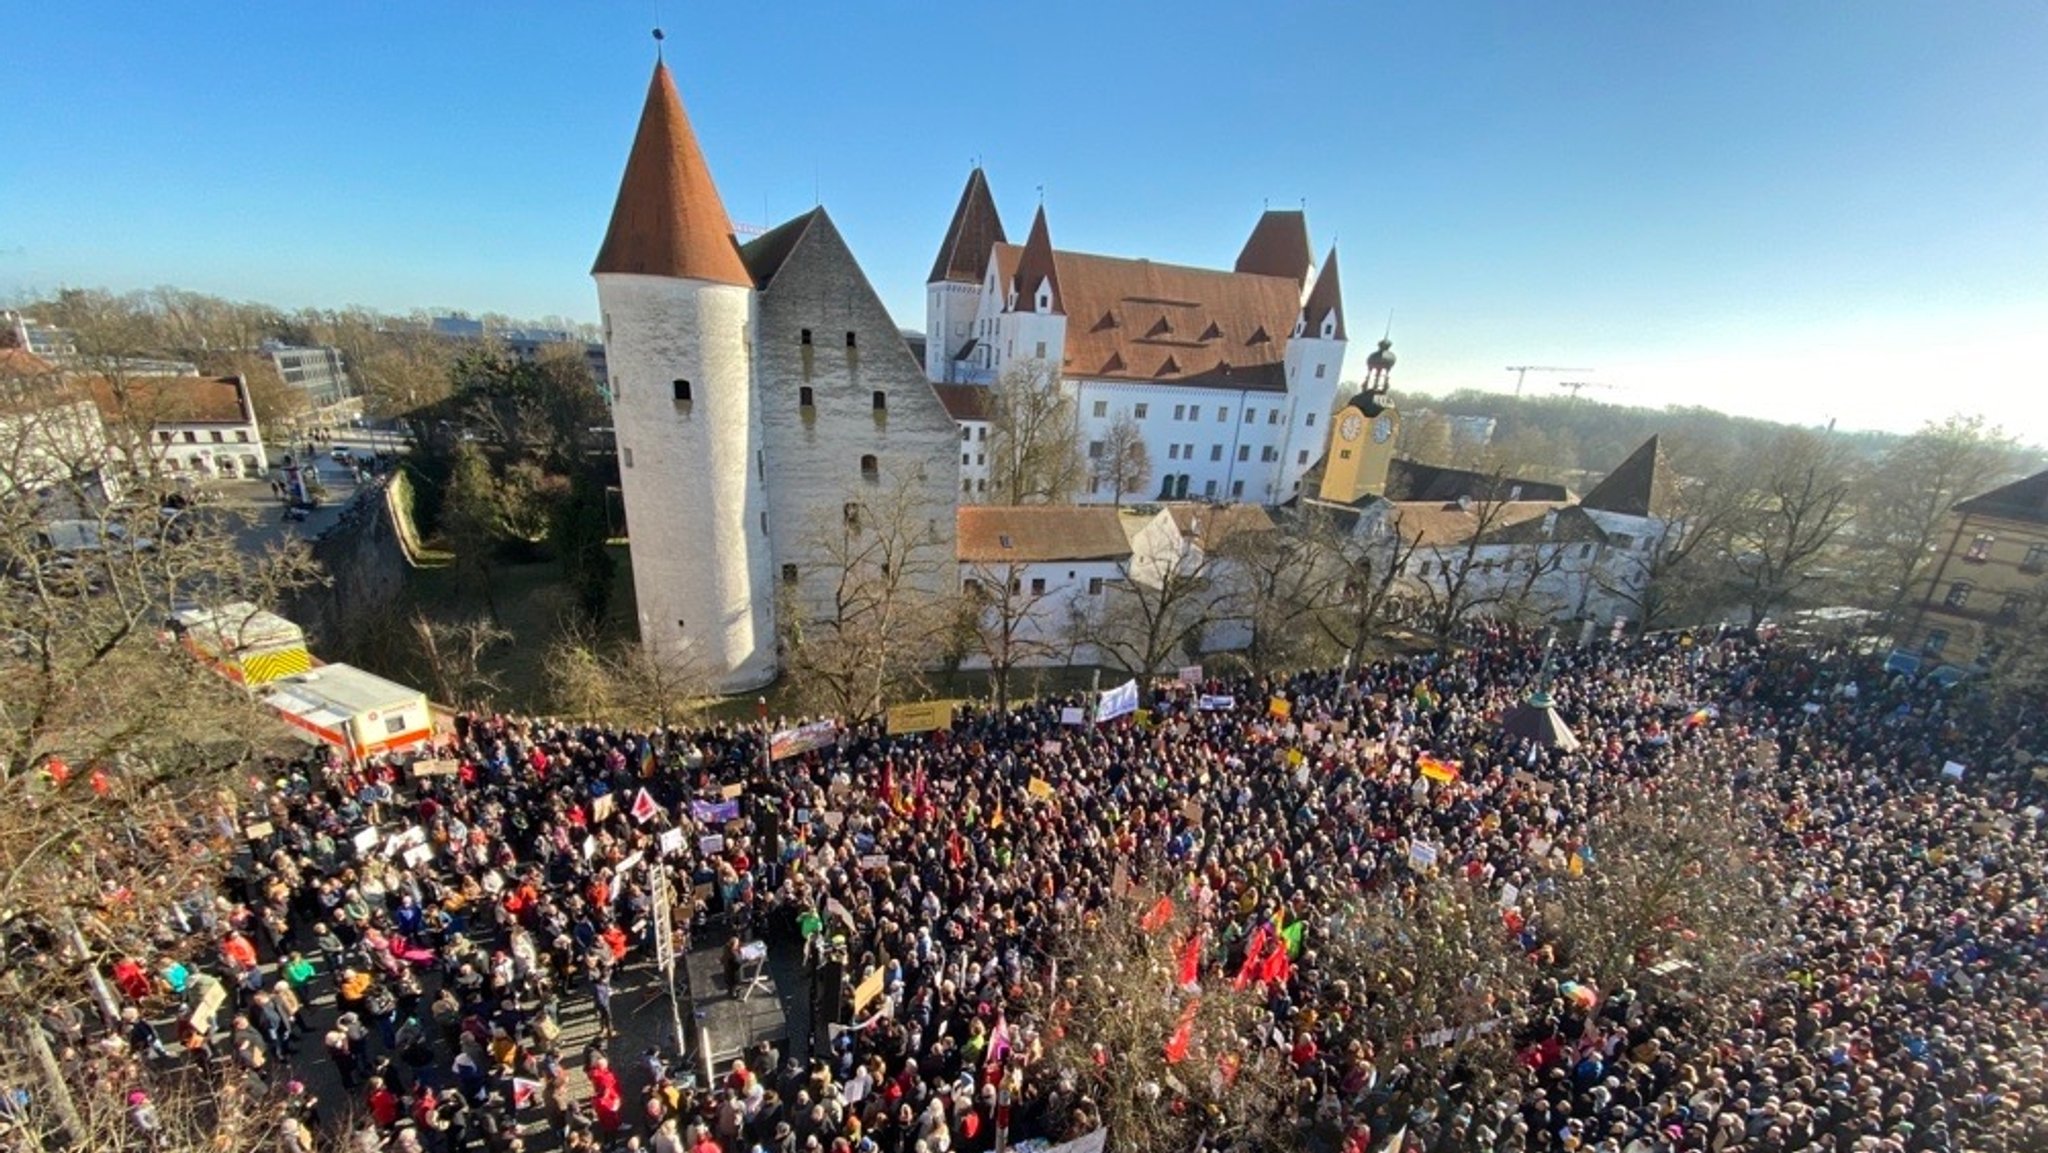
418, 939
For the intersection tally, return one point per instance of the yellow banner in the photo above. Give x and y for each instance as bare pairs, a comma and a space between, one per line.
921, 716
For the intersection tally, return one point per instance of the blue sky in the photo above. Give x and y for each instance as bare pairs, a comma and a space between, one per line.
1795, 210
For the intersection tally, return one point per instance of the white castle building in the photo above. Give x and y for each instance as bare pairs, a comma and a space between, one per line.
1228, 375
730, 366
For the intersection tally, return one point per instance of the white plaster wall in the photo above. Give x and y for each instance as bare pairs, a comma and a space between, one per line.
1197, 426
695, 502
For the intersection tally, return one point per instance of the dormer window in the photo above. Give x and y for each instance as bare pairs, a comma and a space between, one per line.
1300, 325
1330, 326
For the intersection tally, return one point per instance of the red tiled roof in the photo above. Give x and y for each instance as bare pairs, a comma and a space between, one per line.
22, 362
999, 534
668, 220
1127, 318
964, 401
170, 399
976, 228
1278, 246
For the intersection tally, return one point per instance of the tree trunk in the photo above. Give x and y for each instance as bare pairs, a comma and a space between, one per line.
56, 1088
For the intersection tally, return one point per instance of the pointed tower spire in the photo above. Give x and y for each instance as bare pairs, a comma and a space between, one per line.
1035, 267
1641, 486
1324, 300
668, 220
1278, 245
976, 228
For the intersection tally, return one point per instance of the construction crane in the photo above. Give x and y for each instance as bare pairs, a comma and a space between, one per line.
1521, 370
1575, 387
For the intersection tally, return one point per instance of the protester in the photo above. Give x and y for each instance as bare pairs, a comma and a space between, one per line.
1906, 1015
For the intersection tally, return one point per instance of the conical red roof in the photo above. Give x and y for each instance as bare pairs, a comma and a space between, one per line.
668, 220
1035, 267
1278, 246
1327, 296
976, 228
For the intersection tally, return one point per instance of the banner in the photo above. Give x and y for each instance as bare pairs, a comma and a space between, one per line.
436, 767
715, 812
920, 717
1120, 701
1221, 703
802, 739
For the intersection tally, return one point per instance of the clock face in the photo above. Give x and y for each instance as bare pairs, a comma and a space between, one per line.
1383, 428
1350, 426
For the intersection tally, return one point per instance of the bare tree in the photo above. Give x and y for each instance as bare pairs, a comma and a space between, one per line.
1674, 878
865, 617
1153, 616
1010, 614
1034, 453
1367, 591
1801, 502
1164, 1061
1902, 502
1122, 462
454, 653
1678, 574
1477, 563
628, 684
1280, 586
1438, 978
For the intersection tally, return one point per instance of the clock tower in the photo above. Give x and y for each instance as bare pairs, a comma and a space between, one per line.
1362, 437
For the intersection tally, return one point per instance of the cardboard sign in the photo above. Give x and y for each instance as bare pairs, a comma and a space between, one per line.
870, 987
260, 830
1192, 810
731, 792
1279, 708
436, 767
602, 806
1040, 788
631, 862
833, 819
920, 717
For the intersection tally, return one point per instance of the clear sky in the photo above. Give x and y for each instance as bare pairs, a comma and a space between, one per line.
1797, 210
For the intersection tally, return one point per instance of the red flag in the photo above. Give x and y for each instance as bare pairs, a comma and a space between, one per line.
1191, 959
644, 808
954, 851
1249, 971
1156, 918
1277, 969
1183, 1033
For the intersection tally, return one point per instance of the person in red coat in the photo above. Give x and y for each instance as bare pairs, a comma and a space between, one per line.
605, 1098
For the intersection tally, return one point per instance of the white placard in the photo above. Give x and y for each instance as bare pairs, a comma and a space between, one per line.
1073, 715
1953, 770
671, 841
1421, 854
712, 845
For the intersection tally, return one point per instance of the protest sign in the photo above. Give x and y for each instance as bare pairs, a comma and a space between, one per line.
1218, 703
1953, 770
715, 812
875, 861
1279, 708
259, 830
671, 841
870, 987
1191, 674
1051, 748
1073, 715
1422, 855
435, 767
1040, 788
1120, 701
802, 739
920, 717
366, 839
418, 855
711, 845
732, 791
602, 806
